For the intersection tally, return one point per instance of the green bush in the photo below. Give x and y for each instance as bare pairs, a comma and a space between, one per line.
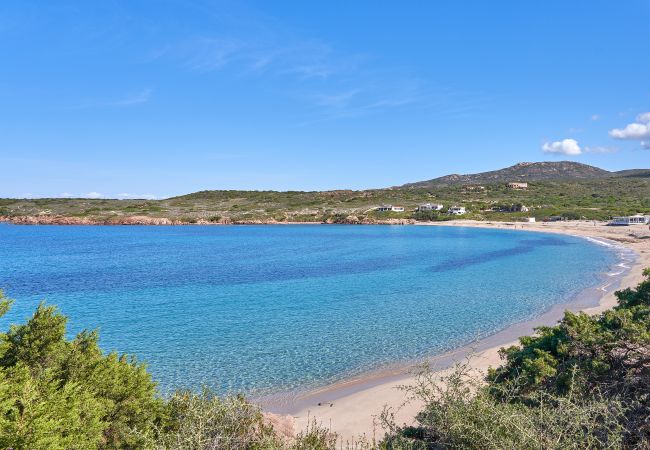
462, 412
584, 383
57, 393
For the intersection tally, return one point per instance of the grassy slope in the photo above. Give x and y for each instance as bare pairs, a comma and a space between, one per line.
595, 198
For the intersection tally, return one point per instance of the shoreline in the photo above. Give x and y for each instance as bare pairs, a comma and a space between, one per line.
165, 221
349, 406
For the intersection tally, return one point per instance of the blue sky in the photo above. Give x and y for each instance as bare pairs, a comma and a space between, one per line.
160, 98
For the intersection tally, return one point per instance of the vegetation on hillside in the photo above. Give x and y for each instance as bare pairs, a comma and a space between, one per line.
526, 171
598, 198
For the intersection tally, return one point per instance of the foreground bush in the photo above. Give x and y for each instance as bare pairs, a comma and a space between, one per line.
57, 393
205, 421
584, 383
462, 412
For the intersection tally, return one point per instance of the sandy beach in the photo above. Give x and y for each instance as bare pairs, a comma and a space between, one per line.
349, 408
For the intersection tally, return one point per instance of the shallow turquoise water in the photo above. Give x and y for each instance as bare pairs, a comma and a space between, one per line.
272, 308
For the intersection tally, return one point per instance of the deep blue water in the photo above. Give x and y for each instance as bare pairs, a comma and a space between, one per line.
274, 308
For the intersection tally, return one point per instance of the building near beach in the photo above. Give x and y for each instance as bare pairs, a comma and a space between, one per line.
456, 210
516, 185
430, 207
637, 219
390, 208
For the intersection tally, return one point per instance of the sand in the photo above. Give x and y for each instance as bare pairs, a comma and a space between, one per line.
350, 408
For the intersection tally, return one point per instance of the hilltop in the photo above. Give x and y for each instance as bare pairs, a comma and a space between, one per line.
524, 171
565, 188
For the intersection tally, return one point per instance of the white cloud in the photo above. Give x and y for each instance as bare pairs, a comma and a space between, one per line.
125, 196
65, 195
643, 117
564, 147
632, 131
92, 195
635, 131
595, 117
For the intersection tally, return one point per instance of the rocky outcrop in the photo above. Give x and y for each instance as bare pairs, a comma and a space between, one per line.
146, 220
71, 220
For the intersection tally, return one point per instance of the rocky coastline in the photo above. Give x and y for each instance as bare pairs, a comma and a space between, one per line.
147, 220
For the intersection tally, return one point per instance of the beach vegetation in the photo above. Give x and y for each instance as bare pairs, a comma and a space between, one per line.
58, 393
584, 383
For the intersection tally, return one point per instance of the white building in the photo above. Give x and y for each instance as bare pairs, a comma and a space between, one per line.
516, 185
529, 219
637, 219
430, 207
389, 208
456, 210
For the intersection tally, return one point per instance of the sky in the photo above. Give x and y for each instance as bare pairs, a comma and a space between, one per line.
150, 99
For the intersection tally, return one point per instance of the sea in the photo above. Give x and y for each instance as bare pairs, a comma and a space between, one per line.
276, 308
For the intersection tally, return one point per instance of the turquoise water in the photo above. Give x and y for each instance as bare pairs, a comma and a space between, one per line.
265, 309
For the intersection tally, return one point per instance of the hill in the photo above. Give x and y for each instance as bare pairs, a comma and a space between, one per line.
524, 171
568, 189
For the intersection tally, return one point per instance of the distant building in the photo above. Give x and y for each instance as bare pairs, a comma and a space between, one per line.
390, 208
529, 219
512, 208
637, 219
456, 210
474, 187
430, 207
516, 185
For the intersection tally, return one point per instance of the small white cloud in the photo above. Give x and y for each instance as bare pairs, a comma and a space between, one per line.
635, 131
65, 195
632, 131
643, 117
564, 147
595, 117
125, 196
93, 195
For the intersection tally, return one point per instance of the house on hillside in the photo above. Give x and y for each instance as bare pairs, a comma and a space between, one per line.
430, 207
390, 208
456, 210
637, 219
518, 207
517, 185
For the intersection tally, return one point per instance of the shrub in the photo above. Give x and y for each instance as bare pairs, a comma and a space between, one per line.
57, 393
461, 412
54, 392
584, 383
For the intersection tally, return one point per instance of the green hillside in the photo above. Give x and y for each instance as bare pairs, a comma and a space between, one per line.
570, 189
